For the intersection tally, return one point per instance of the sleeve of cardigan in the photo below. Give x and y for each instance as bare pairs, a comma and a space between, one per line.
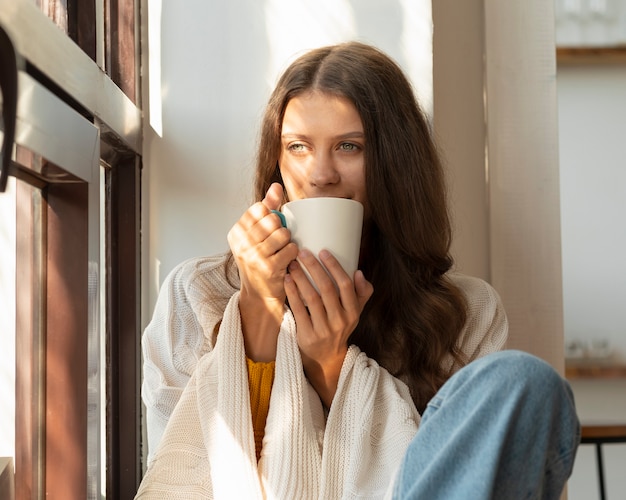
179, 470
179, 333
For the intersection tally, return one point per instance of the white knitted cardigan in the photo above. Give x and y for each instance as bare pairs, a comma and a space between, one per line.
207, 448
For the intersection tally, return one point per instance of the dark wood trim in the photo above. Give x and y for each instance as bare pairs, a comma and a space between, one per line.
605, 433
121, 53
66, 341
591, 55
51, 340
52, 436
593, 370
123, 320
30, 314
82, 25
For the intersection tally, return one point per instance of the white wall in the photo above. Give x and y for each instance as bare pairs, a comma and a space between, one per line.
592, 129
208, 79
592, 122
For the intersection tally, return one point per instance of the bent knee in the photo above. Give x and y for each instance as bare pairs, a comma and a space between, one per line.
518, 368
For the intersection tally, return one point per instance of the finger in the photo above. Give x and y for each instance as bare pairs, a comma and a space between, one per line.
296, 304
253, 215
269, 228
247, 232
364, 289
325, 307
307, 292
343, 281
273, 197
320, 277
238, 236
281, 251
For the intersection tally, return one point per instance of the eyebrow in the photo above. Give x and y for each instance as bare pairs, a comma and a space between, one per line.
349, 135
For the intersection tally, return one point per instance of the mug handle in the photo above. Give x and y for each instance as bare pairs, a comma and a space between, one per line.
281, 216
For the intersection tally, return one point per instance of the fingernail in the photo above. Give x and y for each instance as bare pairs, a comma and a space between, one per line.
324, 254
304, 253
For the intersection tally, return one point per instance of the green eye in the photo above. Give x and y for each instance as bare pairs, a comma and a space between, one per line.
348, 146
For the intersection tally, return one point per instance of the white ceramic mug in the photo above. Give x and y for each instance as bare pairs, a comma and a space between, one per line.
334, 224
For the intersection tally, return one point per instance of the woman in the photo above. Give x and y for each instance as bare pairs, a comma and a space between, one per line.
291, 393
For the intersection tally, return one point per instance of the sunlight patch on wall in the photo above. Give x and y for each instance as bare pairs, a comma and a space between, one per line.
417, 49
155, 93
294, 27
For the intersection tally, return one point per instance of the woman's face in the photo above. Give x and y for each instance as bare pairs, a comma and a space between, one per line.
322, 148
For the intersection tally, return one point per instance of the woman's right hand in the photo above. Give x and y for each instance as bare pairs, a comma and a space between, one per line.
262, 249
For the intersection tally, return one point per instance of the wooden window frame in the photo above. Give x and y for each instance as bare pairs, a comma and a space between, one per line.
52, 428
123, 351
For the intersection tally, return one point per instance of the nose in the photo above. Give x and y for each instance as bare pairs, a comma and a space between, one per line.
322, 170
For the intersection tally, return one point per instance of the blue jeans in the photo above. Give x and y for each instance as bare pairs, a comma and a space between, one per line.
504, 427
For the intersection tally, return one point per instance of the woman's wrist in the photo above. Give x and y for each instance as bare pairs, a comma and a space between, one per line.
324, 377
260, 321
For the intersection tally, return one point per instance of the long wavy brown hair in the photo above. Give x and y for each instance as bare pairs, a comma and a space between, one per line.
412, 322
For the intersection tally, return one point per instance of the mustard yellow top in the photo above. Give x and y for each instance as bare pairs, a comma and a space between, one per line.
260, 379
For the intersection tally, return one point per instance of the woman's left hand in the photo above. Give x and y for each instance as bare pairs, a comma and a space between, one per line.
324, 320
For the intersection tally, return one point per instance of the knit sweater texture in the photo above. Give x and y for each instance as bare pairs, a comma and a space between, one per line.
200, 431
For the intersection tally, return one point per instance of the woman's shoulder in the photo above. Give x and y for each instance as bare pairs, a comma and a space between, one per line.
204, 284
486, 326
477, 291
207, 273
